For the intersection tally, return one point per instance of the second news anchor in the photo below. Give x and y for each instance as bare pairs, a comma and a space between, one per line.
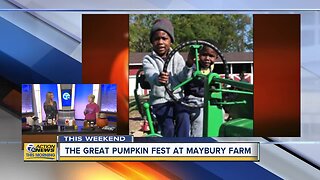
92, 110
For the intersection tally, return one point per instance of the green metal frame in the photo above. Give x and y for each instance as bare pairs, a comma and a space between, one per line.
212, 114
150, 121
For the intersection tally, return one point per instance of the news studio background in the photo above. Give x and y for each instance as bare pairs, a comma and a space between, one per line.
44, 42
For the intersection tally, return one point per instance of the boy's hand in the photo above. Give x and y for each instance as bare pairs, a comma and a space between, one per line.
191, 58
164, 77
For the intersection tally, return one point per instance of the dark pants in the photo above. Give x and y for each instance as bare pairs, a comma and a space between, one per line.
173, 119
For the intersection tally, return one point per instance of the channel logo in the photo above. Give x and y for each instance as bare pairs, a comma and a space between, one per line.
66, 96
40, 151
31, 148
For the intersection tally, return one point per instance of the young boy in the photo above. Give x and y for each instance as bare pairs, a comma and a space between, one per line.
166, 111
194, 90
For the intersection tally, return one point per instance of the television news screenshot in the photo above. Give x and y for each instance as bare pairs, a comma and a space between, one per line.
159, 89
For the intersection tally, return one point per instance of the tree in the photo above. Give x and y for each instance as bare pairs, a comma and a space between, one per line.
231, 33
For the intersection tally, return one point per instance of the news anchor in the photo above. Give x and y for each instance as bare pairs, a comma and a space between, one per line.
92, 110
50, 108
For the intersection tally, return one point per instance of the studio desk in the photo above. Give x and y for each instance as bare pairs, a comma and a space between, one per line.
50, 136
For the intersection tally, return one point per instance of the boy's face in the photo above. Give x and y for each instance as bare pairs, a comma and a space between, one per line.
161, 43
207, 56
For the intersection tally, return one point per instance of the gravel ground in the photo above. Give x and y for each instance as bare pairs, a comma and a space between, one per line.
135, 123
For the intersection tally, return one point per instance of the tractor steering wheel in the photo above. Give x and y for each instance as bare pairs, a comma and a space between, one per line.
193, 43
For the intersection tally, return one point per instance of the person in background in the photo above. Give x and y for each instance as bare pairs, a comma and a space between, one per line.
242, 77
50, 107
92, 109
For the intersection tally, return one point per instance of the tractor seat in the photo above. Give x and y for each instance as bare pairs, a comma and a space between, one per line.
141, 79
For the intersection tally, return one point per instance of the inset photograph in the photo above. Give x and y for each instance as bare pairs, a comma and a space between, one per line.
191, 75
49, 110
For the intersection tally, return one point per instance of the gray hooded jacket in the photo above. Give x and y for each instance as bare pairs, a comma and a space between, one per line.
153, 65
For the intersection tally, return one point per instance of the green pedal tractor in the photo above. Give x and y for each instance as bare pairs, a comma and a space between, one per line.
221, 95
